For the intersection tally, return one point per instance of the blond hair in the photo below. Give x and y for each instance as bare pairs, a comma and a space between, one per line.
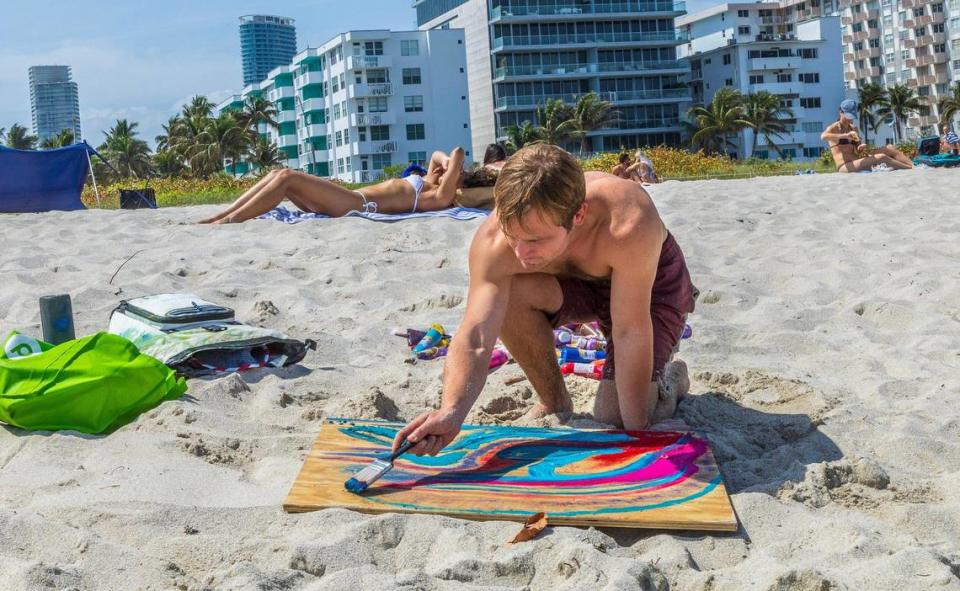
541, 177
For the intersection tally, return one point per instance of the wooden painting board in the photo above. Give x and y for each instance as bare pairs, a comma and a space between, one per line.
639, 479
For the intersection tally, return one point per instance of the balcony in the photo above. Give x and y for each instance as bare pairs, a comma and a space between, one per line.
314, 104
286, 140
281, 93
375, 147
868, 53
909, 23
924, 40
924, 60
941, 58
774, 63
913, 82
369, 176
778, 87
364, 119
771, 20
363, 62
848, 57
849, 76
530, 101
365, 90
618, 67
550, 41
286, 116
942, 37
809, 13
543, 70
854, 37
315, 130
869, 72
626, 96
515, 12
862, 16
308, 78
922, 121
625, 124
910, 62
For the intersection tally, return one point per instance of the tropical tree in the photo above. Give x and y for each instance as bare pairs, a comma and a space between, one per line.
198, 105
555, 121
19, 138
718, 120
949, 105
64, 138
221, 138
168, 163
764, 115
589, 114
521, 135
902, 101
164, 140
256, 110
128, 154
872, 97
264, 154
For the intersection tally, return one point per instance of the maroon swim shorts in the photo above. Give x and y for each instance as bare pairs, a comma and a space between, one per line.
673, 297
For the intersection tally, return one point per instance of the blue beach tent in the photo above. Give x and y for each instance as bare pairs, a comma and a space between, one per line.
43, 180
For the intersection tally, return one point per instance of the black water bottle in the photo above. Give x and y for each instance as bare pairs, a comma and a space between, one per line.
56, 318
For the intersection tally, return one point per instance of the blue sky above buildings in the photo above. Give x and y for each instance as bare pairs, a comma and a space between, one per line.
142, 60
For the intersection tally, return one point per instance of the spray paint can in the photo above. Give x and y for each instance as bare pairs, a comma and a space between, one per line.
56, 318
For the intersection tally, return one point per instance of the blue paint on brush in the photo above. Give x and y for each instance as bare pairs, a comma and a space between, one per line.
375, 470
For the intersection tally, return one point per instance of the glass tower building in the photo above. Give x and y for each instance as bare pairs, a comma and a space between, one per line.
265, 43
54, 102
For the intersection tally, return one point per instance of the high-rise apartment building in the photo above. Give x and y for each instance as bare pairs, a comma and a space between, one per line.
366, 100
54, 102
912, 42
521, 53
788, 50
265, 43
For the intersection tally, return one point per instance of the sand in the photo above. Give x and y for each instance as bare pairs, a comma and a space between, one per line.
825, 364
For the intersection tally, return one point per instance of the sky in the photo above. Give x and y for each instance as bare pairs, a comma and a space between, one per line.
142, 60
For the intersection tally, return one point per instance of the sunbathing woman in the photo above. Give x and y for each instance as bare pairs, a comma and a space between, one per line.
849, 153
444, 181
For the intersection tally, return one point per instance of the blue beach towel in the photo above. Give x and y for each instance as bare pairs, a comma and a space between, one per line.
287, 216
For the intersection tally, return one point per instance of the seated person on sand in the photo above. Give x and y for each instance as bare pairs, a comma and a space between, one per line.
640, 170
567, 246
849, 153
445, 180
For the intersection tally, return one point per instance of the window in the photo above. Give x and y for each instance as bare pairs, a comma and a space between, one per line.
784, 77
379, 133
373, 48
743, 30
956, 65
409, 47
726, 59
413, 104
812, 102
810, 78
904, 54
346, 136
339, 136
812, 152
415, 131
336, 84
938, 28
417, 158
743, 13
411, 75
349, 162
336, 112
808, 53
728, 82
377, 104
812, 126
891, 58
756, 79
362, 133
339, 165
377, 77
380, 161
888, 39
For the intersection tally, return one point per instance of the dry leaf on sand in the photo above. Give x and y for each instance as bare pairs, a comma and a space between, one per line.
531, 528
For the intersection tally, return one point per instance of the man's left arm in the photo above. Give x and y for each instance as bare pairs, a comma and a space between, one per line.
634, 271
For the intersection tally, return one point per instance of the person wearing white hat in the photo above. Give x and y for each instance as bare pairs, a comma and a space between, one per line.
850, 153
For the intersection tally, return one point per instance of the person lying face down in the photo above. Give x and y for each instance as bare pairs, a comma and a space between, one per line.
849, 152
435, 190
562, 246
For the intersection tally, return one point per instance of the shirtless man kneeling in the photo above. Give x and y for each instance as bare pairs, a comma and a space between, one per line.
563, 246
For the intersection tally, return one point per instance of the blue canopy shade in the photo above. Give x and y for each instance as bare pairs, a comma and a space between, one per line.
43, 180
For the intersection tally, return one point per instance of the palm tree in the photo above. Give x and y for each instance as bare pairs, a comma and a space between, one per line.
521, 135
722, 117
20, 139
64, 138
129, 154
872, 96
902, 101
256, 110
264, 154
555, 121
589, 114
949, 105
222, 138
764, 115
199, 105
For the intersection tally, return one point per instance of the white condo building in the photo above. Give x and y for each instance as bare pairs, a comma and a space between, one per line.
770, 47
365, 100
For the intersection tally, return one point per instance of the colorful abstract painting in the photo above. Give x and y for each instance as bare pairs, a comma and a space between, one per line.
602, 478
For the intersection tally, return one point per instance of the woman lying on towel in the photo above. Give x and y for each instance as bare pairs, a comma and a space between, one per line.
849, 153
445, 180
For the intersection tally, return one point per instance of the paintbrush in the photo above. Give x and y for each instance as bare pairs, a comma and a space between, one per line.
375, 470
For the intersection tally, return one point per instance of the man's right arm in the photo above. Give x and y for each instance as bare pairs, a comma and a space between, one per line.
467, 362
